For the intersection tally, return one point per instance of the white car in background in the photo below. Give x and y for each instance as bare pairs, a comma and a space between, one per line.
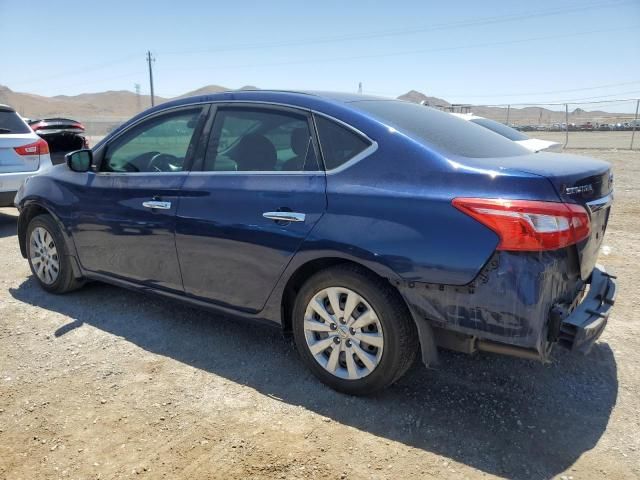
22, 154
533, 144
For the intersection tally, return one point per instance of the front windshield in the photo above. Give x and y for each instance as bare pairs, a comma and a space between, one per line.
442, 131
501, 129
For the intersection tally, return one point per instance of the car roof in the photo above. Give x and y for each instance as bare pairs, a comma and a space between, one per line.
333, 103
297, 97
6, 108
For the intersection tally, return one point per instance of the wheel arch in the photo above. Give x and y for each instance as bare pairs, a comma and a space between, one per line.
311, 267
28, 213
31, 210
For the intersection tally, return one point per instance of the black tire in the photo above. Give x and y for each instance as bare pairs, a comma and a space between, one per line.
65, 281
399, 330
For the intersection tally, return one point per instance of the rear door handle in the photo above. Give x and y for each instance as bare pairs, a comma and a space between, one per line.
156, 204
285, 216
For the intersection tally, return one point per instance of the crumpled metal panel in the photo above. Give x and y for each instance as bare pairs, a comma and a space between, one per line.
508, 302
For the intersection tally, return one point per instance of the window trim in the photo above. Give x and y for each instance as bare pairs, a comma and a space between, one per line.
209, 111
373, 145
216, 106
188, 161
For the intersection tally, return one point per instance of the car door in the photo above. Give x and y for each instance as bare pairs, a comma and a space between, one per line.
251, 203
125, 226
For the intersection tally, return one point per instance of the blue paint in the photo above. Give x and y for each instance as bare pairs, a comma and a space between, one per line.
390, 212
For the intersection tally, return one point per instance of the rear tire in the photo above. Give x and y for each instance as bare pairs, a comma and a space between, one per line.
46, 253
353, 330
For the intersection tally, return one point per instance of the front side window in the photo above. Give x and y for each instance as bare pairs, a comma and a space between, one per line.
158, 145
261, 139
339, 144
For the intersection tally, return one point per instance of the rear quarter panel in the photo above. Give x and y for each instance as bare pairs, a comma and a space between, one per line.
395, 207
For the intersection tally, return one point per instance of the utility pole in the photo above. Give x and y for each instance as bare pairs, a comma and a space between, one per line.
508, 112
360, 88
137, 87
566, 125
149, 60
635, 124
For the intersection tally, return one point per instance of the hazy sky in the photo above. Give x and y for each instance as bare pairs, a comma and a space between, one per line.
464, 51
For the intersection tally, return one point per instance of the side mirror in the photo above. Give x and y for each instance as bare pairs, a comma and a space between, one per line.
80, 160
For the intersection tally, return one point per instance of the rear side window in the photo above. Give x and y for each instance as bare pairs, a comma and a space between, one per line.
10, 122
260, 140
339, 144
442, 131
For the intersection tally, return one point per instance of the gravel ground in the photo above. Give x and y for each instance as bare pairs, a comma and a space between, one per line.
106, 383
592, 140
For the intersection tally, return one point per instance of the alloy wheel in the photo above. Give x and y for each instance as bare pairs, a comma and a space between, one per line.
44, 255
343, 333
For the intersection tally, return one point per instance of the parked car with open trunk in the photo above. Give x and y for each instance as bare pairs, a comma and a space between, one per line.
62, 134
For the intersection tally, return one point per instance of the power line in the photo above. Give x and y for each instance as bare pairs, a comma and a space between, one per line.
368, 35
84, 70
497, 95
409, 31
409, 52
574, 101
597, 87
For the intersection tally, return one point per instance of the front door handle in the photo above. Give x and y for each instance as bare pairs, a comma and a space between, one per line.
285, 216
156, 204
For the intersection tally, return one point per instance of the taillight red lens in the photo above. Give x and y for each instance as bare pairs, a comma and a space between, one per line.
527, 225
41, 147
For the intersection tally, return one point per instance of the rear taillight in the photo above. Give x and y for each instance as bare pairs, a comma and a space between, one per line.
41, 147
527, 225
36, 126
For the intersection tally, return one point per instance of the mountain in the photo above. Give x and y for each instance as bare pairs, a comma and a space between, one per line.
206, 90
209, 89
419, 97
110, 104
519, 116
101, 111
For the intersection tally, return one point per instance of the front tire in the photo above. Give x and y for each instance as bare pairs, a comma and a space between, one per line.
46, 253
353, 330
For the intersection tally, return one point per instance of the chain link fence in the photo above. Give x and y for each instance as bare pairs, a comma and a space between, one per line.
587, 125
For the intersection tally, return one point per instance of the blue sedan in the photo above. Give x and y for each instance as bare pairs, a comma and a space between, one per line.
371, 229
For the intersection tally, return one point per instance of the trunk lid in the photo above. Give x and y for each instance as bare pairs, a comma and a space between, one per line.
576, 179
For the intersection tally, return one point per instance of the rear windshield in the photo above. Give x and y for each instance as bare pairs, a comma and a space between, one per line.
10, 122
501, 129
441, 130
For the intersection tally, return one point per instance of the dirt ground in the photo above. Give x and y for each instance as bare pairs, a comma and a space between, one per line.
106, 383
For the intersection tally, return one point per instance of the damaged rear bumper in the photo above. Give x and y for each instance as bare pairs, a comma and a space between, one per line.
580, 328
521, 304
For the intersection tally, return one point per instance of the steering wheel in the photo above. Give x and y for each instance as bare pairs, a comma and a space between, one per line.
162, 162
138, 163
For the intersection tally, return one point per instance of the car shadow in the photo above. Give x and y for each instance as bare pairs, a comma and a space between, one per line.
501, 415
8, 225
